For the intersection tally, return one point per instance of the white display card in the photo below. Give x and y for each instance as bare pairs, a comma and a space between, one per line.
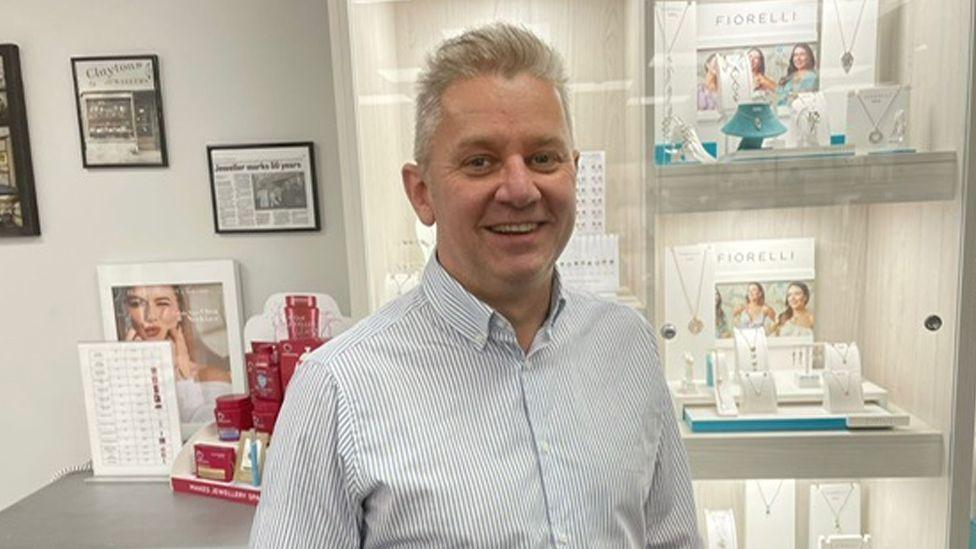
877, 118
757, 393
846, 26
689, 304
834, 509
724, 397
591, 262
720, 528
845, 542
842, 356
809, 126
843, 393
132, 411
675, 66
770, 513
591, 193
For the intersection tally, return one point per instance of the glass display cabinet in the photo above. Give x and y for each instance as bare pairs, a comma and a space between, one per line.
780, 187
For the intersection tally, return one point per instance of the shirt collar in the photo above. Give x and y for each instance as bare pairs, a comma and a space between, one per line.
466, 313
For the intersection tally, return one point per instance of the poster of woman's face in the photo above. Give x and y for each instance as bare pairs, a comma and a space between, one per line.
784, 308
772, 67
192, 317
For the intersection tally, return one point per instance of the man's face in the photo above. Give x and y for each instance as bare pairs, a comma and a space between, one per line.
499, 182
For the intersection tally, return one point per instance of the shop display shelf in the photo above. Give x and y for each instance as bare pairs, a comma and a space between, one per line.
806, 182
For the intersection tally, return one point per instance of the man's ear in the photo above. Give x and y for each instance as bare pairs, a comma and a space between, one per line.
418, 193
576, 156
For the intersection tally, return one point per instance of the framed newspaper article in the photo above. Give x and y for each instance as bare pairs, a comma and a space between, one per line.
263, 188
120, 111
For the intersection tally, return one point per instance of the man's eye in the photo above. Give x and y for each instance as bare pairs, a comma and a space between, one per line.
478, 163
545, 160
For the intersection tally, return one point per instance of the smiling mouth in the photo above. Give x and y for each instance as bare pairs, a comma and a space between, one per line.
152, 332
514, 228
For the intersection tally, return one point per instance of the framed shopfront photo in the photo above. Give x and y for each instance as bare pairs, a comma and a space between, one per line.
18, 200
120, 111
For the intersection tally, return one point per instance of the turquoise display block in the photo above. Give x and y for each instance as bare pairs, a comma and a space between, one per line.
661, 158
838, 139
972, 534
743, 425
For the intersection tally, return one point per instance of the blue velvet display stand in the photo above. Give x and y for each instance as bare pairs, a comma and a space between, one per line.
753, 122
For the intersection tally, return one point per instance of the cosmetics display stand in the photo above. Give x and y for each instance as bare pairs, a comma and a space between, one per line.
183, 478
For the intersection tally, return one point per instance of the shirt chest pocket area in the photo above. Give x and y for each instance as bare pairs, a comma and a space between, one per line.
627, 448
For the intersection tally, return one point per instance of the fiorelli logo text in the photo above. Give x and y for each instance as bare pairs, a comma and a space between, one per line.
754, 257
784, 17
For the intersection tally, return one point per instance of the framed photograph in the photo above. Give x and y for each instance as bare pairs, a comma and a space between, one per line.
120, 111
18, 203
194, 305
263, 188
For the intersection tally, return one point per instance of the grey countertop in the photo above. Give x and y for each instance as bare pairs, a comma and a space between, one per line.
74, 513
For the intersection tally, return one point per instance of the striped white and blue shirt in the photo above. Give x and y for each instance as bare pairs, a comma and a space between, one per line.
427, 426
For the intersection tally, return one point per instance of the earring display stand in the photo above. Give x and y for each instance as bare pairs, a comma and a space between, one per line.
835, 509
770, 518
720, 527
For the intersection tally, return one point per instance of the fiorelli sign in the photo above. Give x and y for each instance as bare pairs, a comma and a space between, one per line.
766, 22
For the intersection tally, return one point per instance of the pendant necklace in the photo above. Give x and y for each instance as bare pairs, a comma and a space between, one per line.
734, 74
847, 350
757, 390
847, 59
876, 136
769, 502
845, 387
669, 68
753, 356
695, 325
837, 511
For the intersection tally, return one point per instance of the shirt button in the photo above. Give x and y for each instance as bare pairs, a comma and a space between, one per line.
544, 447
561, 539
528, 363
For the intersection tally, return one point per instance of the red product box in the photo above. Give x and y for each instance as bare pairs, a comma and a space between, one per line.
265, 415
267, 382
291, 352
302, 316
214, 462
233, 414
253, 362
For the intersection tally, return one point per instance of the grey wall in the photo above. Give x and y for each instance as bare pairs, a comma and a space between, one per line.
232, 71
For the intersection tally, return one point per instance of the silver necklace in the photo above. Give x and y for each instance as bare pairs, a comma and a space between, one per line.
843, 357
837, 511
695, 325
845, 387
769, 502
876, 136
847, 59
753, 356
757, 390
734, 74
669, 68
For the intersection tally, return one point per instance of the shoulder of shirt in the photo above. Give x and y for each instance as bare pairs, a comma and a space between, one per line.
582, 302
365, 332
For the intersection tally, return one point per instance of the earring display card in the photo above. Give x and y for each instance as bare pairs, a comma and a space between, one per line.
770, 513
834, 509
689, 304
132, 411
591, 262
720, 527
877, 118
591, 193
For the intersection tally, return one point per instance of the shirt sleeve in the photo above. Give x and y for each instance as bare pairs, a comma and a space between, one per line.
670, 509
307, 497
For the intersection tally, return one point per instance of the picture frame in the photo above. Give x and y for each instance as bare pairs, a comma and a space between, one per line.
18, 200
120, 111
260, 188
197, 306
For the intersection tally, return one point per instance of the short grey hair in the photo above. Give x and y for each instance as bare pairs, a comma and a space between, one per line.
495, 49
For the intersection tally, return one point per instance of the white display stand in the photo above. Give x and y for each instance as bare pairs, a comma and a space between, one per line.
757, 392
735, 81
876, 117
271, 325
845, 542
843, 392
751, 350
809, 124
771, 513
834, 509
720, 527
692, 273
863, 44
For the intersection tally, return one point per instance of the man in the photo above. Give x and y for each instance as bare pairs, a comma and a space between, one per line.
490, 407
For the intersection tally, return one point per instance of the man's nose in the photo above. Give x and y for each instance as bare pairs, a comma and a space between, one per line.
518, 187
